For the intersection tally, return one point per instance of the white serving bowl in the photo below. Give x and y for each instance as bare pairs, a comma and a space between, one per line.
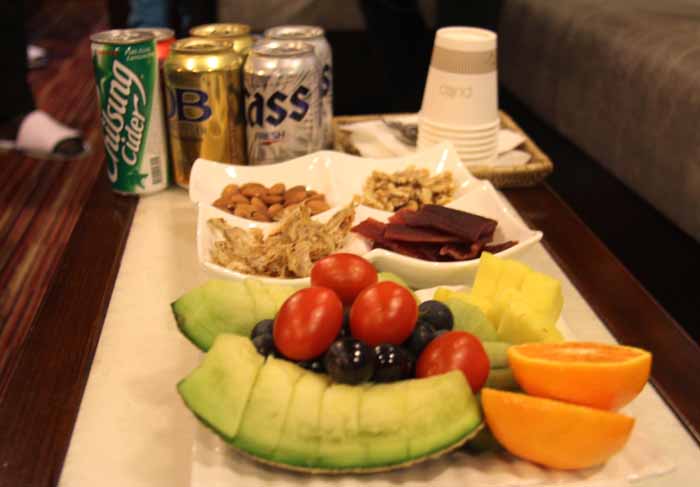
340, 176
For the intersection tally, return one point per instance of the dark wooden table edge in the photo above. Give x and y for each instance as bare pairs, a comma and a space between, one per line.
44, 393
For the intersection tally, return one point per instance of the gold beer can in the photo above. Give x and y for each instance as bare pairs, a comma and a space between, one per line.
203, 85
238, 34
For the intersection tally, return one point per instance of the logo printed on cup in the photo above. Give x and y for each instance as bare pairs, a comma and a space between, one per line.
456, 91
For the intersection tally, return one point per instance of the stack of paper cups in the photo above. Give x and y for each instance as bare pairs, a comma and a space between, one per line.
460, 101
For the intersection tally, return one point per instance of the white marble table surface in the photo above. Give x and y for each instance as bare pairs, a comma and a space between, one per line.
133, 430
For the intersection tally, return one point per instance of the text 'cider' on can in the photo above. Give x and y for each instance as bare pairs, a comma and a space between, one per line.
126, 73
203, 85
238, 34
315, 36
282, 101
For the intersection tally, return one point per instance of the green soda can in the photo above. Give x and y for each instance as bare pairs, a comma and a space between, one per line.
126, 72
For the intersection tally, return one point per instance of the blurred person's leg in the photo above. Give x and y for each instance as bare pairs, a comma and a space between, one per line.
400, 37
18, 106
13, 82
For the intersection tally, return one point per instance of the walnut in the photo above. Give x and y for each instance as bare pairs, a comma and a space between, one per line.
409, 188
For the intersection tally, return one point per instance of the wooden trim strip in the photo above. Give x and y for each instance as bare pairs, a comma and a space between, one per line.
43, 395
630, 313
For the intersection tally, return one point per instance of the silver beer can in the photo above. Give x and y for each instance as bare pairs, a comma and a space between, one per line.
315, 36
282, 101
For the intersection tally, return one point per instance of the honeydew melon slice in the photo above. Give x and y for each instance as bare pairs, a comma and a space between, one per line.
217, 391
469, 318
382, 418
340, 428
301, 436
265, 306
265, 414
440, 411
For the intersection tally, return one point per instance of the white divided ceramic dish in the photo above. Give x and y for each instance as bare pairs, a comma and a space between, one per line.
341, 176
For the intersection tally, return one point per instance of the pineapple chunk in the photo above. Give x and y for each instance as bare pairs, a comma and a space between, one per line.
502, 301
544, 295
520, 324
512, 275
487, 275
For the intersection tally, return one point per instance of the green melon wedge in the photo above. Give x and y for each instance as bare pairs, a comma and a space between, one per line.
218, 390
382, 419
301, 435
216, 307
440, 411
265, 415
340, 428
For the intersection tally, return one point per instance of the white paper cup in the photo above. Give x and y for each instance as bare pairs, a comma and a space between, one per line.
466, 137
462, 129
481, 149
462, 84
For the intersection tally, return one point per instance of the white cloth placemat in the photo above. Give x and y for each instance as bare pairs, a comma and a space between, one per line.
133, 430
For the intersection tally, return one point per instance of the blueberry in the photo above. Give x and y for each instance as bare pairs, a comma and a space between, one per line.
437, 314
393, 363
264, 344
263, 327
350, 361
422, 334
315, 365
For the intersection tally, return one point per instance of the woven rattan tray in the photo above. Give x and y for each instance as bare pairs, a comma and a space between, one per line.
535, 171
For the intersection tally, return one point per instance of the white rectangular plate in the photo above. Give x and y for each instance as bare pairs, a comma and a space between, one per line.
215, 464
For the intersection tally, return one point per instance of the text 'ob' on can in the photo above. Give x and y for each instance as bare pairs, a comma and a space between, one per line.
315, 36
203, 85
126, 73
282, 101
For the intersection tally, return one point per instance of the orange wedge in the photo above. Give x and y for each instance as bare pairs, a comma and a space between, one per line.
553, 433
590, 374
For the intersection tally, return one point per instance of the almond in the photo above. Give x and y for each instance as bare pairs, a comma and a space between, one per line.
275, 210
229, 190
260, 216
294, 195
253, 189
244, 211
258, 204
315, 197
277, 189
317, 206
221, 203
271, 199
234, 199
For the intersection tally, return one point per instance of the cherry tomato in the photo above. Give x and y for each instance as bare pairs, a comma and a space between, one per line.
455, 350
384, 312
307, 323
346, 274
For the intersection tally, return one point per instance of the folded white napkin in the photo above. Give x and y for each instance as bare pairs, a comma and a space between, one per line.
374, 139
